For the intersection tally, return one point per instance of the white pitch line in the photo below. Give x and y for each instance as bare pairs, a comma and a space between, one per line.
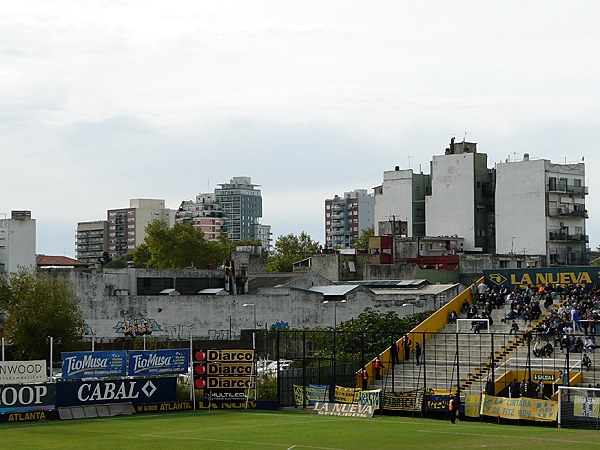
566, 441
228, 441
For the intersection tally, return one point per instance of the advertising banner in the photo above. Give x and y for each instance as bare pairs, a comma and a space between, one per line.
158, 362
372, 398
436, 402
138, 391
343, 409
15, 372
164, 407
346, 394
519, 408
510, 278
403, 401
22, 398
93, 364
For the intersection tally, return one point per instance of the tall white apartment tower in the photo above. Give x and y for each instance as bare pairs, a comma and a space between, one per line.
17, 241
461, 201
540, 210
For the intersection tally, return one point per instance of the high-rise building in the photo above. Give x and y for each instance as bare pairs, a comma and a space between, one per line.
127, 226
462, 197
401, 198
540, 210
242, 207
17, 241
346, 217
203, 213
91, 241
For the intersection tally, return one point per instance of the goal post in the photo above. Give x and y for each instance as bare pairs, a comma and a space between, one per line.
468, 325
579, 407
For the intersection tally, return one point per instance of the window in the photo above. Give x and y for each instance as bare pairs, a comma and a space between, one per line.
504, 264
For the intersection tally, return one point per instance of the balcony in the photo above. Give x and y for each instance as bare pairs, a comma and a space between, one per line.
564, 212
562, 236
567, 188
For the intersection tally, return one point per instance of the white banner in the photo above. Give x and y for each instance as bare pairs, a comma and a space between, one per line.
23, 372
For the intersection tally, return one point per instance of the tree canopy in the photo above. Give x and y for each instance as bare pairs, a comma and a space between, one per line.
178, 247
289, 249
38, 305
362, 243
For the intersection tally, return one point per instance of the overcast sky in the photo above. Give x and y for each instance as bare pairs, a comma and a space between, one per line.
104, 101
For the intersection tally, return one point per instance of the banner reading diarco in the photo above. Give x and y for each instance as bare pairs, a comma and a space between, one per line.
158, 362
138, 391
15, 372
93, 364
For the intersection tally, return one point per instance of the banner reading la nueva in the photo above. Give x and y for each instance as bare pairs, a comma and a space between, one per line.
158, 362
93, 364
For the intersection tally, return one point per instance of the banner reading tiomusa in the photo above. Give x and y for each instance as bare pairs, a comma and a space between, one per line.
93, 364
158, 362
138, 391
15, 372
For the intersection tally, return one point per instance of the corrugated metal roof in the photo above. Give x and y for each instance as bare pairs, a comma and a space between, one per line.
340, 289
392, 283
211, 291
425, 290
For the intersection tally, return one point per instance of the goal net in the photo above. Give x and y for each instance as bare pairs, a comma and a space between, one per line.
472, 325
579, 407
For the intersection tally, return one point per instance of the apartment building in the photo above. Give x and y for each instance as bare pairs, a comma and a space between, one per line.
540, 210
17, 241
203, 213
127, 226
241, 203
91, 241
346, 217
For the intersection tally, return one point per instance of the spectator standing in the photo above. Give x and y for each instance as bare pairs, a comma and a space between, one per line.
417, 353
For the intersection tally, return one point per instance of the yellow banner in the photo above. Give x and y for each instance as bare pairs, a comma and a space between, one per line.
371, 398
519, 408
346, 394
586, 407
472, 405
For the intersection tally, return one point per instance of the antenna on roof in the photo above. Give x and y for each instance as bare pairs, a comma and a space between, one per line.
408, 157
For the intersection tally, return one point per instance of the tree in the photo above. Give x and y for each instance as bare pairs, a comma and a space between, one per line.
38, 305
289, 249
362, 243
179, 247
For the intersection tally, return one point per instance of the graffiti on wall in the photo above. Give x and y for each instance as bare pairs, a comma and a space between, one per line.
136, 327
87, 330
220, 335
178, 331
280, 325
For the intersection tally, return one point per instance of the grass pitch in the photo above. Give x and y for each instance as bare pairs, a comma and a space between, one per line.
282, 431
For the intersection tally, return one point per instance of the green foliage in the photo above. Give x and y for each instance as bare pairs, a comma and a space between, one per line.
267, 387
39, 305
179, 247
362, 243
289, 249
121, 262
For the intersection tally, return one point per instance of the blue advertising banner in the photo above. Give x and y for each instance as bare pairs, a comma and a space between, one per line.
158, 362
93, 364
510, 278
138, 391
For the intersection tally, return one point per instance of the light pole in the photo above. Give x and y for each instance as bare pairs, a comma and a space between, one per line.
253, 311
410, 304
325, 302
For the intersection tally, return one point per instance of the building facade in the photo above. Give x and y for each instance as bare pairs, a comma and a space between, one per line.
241, 203
346, 217
127, 226
203, 213
91, 241
17, 241
401, 198
462, 197
540, 211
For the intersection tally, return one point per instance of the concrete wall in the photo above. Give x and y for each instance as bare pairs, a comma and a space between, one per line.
17, 243
216, 317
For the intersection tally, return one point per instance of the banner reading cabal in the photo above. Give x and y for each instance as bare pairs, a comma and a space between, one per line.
519, 408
